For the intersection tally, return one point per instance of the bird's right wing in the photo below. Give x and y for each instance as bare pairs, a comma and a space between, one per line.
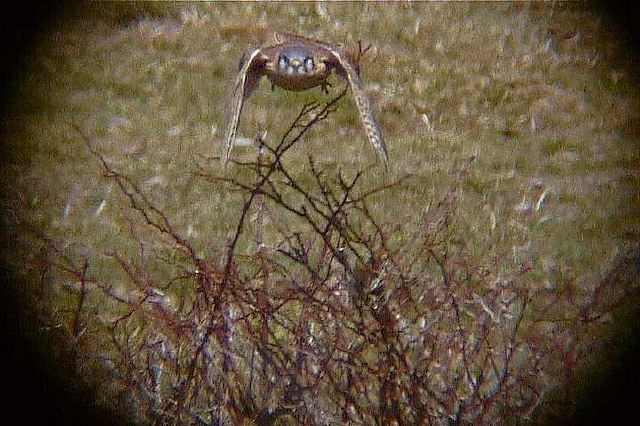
248, 77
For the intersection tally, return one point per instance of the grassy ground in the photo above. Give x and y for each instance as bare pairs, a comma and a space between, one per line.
541, 95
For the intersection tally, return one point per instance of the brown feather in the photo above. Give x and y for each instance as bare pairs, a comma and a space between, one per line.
245, 84
371, 127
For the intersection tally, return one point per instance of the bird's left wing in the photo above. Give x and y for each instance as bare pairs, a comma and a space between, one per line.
349, 70
251, 69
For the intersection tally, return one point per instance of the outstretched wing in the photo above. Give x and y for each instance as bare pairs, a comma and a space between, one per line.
349, 70
282, 36
251, 69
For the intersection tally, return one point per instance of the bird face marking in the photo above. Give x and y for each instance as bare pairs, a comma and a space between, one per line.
295, 61
308, 64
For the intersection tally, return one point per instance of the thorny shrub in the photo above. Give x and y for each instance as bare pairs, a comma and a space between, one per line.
320, 319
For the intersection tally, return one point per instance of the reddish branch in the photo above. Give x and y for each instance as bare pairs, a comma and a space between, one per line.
331, 319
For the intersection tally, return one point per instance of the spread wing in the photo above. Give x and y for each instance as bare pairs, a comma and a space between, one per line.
251, 69
348, 69
283, 36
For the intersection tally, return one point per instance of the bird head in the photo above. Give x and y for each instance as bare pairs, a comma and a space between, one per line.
295, 61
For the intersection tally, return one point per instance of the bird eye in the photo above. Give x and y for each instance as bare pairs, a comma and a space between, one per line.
308, 64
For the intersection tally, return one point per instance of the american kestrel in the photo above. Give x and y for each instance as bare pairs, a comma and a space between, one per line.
299, 63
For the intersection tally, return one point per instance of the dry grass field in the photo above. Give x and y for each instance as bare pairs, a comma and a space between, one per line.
505, 229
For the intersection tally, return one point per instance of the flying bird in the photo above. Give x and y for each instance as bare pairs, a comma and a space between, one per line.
299, 63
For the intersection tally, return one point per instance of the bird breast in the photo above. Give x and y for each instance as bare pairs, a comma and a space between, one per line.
297, 81
295, 66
